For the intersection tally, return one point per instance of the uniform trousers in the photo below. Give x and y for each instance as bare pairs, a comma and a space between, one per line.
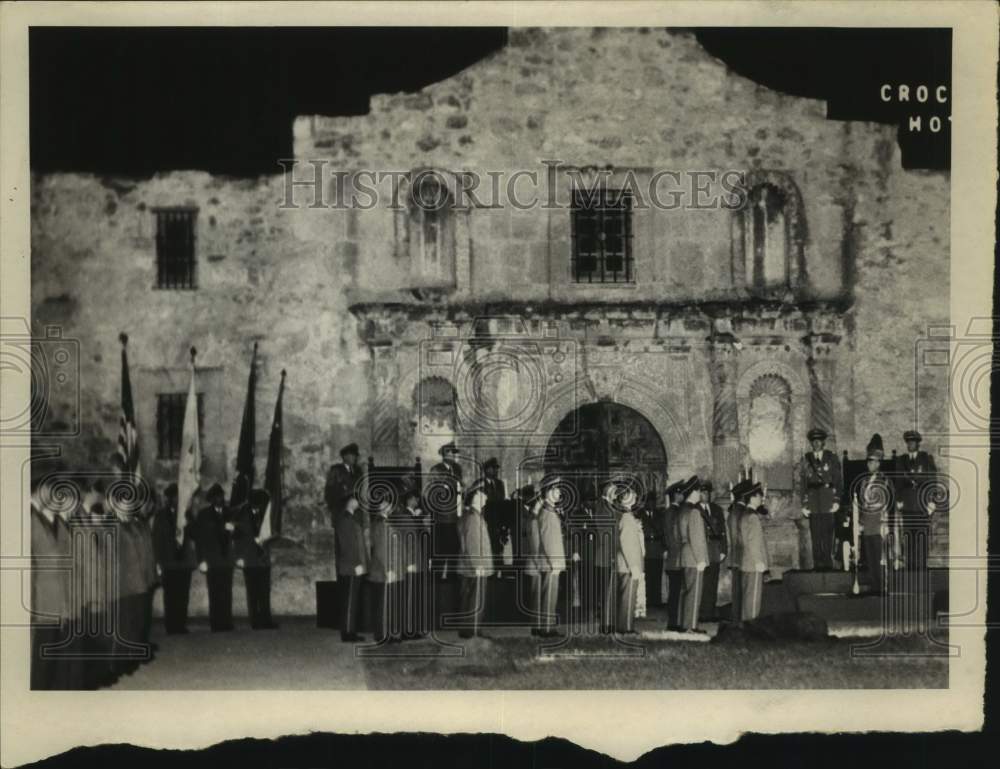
349, 587
52, 668
872, 546
129, 646
220, 599
752, 588
176, 594
628, 589
821, 532
915, 534
472, 605
446, 548
675, 588
605, 592
709, 591
654, 580
545, 597
387, 614
736, 606
416, 604
691, 598
257, 580
147, 614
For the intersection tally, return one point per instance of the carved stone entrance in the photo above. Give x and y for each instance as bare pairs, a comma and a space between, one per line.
601, 439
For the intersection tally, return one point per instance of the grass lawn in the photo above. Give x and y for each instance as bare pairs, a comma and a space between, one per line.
598, 663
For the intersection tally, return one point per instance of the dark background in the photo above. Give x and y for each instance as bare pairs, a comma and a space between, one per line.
135, 101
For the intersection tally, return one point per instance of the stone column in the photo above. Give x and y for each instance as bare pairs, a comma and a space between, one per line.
385, 425
726, 449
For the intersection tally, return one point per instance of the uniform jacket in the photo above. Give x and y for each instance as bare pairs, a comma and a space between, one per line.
735, 556
350, 544
672, 537
213, 542
913, 474
753, 547
168, 554
131, 569
247, 527
415, 534
441, 495
822, 483
715, 530
651, 522
694, 543
477, 553
530, 513
874, 495
551, 553
50, 581
387, 550
145, 535
341, 484
631, 546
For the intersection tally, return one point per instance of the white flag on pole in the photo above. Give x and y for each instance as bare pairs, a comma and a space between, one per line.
189, 471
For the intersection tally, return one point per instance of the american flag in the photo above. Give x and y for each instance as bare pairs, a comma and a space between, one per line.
128, 438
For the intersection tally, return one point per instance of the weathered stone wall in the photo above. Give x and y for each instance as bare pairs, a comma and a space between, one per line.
875, 244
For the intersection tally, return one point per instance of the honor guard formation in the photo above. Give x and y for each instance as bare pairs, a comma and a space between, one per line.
614, 551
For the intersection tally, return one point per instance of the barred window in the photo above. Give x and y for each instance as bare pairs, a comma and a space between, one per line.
170, 423
602, 236
175, 236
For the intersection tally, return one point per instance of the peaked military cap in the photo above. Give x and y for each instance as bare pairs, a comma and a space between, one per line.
817, 434
350, 448
912, 435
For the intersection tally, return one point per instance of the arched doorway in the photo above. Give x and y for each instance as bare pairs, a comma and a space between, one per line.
600, 440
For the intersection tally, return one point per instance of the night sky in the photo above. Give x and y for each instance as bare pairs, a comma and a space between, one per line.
134, 101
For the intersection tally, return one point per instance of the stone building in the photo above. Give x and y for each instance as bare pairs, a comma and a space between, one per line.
574, 327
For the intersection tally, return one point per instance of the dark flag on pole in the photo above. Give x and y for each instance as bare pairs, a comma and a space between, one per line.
274, 481
128, 437
243, 481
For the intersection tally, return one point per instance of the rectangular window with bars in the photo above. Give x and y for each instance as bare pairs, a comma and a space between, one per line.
602, 236
170, 423
175, 241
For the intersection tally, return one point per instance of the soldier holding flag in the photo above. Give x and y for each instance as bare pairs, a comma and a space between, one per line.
254, 557
174, 562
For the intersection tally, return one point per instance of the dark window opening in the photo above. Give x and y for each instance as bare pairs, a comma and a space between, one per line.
602, 236
175, 265
170, 423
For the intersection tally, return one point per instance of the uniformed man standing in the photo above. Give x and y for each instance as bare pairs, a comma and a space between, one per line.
872, 494
550, 555
476, 564
629, 560
254, 557
352, 565
715, 531
415, 525
342, 481
735, 556
914, 504
651, 520
672, 556
694, 552
821, 490
385, 573
213, 541
754, 560
174, 562
496, 509
442, 500
51, 613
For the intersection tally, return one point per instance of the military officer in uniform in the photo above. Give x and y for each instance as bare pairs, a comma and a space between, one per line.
629, 560
735, 556
342, 481
496, 509
352, 565
754, 561
174, 561
213, 542
821, 490
672, 557
254, 557
549, 556
415, 527
914, 506
651, 520
385, 573
715, 531
476, 564
872, 494
694, 552
442, 499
